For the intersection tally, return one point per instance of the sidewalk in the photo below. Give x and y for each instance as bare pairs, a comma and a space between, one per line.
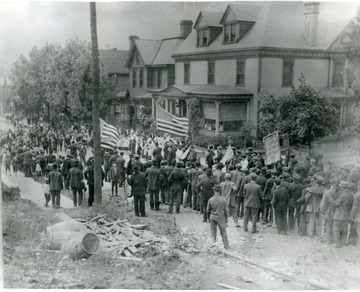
33, 191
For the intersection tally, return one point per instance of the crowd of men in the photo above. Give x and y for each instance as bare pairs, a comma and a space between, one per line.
307, 196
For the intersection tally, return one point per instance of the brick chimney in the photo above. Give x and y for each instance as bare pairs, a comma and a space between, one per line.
185, 28
132, 39
311, 22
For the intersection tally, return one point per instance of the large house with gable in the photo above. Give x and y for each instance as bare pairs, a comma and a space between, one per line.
151, 67
231, 56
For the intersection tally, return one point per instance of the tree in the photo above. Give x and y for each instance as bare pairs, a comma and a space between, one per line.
306, 115
194, 114
269, 112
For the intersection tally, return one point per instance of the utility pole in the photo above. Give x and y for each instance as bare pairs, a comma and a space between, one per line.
96, 106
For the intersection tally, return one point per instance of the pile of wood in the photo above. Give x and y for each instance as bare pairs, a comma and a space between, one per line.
121, 237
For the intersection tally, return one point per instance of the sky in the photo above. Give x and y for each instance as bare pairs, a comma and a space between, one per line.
24, 25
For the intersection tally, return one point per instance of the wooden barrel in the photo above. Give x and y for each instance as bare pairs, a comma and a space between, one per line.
81, 247
71, 225
57, 239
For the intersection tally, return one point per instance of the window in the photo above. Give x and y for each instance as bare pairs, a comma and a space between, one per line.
186, 73
230, 35
171, 76
240, 73
202, 37
134, 78
150, 78
209, 125
288, 72
337, 74
233, 125
158, 78
141, 78
211, 73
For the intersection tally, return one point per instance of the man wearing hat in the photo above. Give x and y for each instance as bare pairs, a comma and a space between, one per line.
355, 216
261, 181
252, 192
177, 181
229, 190
280, 203
120, 165
55, 186
302, 208
267, 197
354, 177
76, 178
138, 184
218, 215
295, 191
218, 174
313, 199
245, 180
205, 184
343, 206
139, 163
193, 175
152, 175
327, 210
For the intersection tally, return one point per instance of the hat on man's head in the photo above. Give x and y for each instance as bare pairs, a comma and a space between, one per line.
137, 156
253, 175
216, 188
180, 164
238, 166
319, 179
296, 177
245, 170
292, 155
154, 162
273, 171
263, 170
286, 175
285, 168
163, 162
306, 180
135, 168
227, 175
344, 184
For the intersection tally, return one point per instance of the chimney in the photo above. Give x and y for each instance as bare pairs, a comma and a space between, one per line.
311, 22
185, 28
132, 39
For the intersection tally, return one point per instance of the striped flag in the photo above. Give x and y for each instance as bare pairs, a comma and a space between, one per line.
109, 135
229, 154
169, 123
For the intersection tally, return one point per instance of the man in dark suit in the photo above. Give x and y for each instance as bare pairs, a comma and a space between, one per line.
90, 177
152, 175
138, 184
76, 177
267, 197
280, 203
206, 184
120, 165
295, 191
55, 186
252, 192
28, 162
177, 181
261, 181
172, 154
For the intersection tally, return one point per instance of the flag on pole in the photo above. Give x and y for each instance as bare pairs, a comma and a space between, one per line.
109, 135
229, 154
169, 123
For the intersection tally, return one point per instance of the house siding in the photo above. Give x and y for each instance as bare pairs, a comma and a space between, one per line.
198, 72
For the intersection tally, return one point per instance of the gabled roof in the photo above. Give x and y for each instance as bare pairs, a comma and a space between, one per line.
114, 61
147, 49
207, 18
165, 51
244, 13
134, 93
280, 24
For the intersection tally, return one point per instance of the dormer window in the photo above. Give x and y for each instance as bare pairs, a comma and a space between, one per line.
202, 37
233, 32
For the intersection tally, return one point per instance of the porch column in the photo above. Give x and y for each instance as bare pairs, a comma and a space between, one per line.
341, 113
248, 111
177, 107
153, 105
167, 105
217, 117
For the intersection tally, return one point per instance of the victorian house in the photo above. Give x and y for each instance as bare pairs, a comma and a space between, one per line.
231, 56
151, 67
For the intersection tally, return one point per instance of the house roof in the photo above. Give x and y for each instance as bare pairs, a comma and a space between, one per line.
219, 90
148, 49
279, 25
165, 51
210, 18
114, 61
134, 93
246, 13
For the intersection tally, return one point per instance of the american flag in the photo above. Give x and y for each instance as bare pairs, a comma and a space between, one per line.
109, 135
229, 154
169, 123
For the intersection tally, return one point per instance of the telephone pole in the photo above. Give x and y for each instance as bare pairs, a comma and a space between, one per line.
96, 106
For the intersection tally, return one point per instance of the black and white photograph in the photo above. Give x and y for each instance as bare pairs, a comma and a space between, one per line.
153, 145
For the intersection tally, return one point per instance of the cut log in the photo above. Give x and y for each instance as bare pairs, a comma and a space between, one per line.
133, 249
96, 218
127, 253
139, 226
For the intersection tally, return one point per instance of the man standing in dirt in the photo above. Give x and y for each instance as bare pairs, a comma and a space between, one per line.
280, 203
120, 165
218, 215
206, 184
76, 178
152, 175
252, 193
177, 181
139, 186
55, 186
228, 191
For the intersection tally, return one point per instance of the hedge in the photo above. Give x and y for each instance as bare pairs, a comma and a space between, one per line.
205, 141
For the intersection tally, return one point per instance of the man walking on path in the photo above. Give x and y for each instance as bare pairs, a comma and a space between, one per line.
218, 215
76, 178
206, 184
139, 186
252, 193
55, 186
152, 175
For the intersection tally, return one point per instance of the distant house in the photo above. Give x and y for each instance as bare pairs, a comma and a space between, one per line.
230, 56
151, 67
113, 62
